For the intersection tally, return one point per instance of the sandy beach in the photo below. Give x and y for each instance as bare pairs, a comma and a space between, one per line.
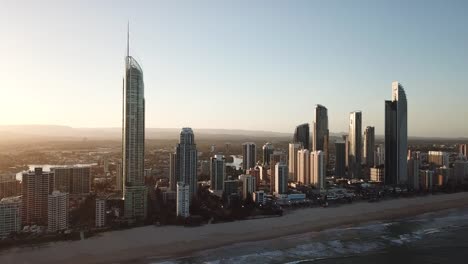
153, 243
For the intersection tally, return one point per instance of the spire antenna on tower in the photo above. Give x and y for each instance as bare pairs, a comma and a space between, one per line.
128, 38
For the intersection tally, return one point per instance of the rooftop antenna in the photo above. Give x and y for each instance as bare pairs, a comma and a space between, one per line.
128, 38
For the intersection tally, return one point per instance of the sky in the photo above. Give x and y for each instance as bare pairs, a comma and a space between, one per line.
257, 65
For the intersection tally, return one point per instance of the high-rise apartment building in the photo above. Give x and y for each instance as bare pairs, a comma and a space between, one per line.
267, 150
346, 141
377, 174
100, 212
183, 199
292, 164
218, 172
172, 171
396, 137
10, 216
379, 156
133, 139
73, 180
9, 186
302, 135
277, 156
249, 155
36, 186
340, 159
57, 211
414, 164
320, 136
369, 146
355, 144
119, 183
303, 166
317, 169
249, 185
186, 160
281, 180
438, 158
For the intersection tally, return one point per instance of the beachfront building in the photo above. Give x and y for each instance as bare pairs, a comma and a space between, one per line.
217, 172
186, 160
249, 155
396, 137
133, 146
317, 169
276, 157
183, 199
369, 146
248, 185
57, 211
413, 172
355, 144
231, 187
340, 159
303, 166
377, 174
100, 213
10, 216
281, 181
292, 165
36, 186
321, 134
460, 171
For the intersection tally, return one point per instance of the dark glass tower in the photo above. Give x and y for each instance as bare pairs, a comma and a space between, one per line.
396, 137
302, 135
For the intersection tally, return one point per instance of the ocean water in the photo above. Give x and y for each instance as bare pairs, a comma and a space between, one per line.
440, 237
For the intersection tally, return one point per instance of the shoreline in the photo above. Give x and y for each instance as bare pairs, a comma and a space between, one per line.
149, 243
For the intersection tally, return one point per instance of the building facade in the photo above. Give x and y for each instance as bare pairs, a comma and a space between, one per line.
267, 150
100, 213
73, 180
217, 172
302, 135
340, 159
133, 140
57, 211
186, 160
281, 180
320, 136
36, 187
396, 137
355, 145
249, 185
317, 169
303, 166
369, 146
292, 164
183, 199
10, 216
249, 155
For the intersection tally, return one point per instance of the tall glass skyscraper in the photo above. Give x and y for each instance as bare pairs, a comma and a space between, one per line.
320, 135
355, 144
369, 146
186, 160
396, 137
302, 135
133, 139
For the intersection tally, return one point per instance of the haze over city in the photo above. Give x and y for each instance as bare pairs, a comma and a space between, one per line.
233, 132
259, 65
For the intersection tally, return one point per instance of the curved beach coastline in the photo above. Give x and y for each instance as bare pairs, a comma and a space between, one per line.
150, 244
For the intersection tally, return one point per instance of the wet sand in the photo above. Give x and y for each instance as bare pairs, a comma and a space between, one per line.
150, 243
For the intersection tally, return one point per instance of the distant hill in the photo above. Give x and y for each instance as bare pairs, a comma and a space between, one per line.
56, 132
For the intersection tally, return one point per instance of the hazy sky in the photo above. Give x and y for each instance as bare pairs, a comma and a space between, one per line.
259, 65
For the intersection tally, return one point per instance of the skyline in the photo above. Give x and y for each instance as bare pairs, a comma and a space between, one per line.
264, 60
